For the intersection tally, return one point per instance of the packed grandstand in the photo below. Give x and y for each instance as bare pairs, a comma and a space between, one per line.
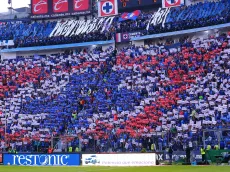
172, 93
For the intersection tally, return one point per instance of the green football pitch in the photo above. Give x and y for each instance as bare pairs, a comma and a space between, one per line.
118, 169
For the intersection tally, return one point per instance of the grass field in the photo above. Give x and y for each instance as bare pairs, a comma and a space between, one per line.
118, 169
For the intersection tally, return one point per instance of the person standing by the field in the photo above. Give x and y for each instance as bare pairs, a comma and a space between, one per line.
188, 154
202, 152
170, 151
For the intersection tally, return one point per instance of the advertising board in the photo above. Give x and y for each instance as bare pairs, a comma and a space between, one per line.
125, 5
163, 156
59, 8
119, 159
42, 159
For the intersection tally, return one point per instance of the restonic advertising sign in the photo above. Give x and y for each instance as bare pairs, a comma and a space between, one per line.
42, 159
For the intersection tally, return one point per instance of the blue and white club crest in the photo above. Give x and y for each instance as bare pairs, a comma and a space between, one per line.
172, 2
107, 7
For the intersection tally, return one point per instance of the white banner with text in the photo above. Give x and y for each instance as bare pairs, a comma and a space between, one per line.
145, 159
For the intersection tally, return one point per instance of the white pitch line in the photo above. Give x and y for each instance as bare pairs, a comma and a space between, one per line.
105, 169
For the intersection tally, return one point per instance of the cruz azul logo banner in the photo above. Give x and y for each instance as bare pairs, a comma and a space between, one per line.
42, 159
107, 8
148, 159
59, 8
172, 3
126, 37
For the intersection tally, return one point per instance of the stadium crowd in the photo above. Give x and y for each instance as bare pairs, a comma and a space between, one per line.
181, 18
27, 34
151, 96
123, 100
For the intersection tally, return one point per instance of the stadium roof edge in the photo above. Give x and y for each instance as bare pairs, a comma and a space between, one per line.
181, 32
61, 46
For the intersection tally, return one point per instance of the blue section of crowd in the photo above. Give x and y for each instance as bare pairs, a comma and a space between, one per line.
198, 11
25, 30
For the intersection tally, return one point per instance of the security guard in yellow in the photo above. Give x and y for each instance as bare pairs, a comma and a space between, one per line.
202, 152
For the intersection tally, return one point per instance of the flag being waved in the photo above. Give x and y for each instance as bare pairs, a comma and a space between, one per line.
130, 16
